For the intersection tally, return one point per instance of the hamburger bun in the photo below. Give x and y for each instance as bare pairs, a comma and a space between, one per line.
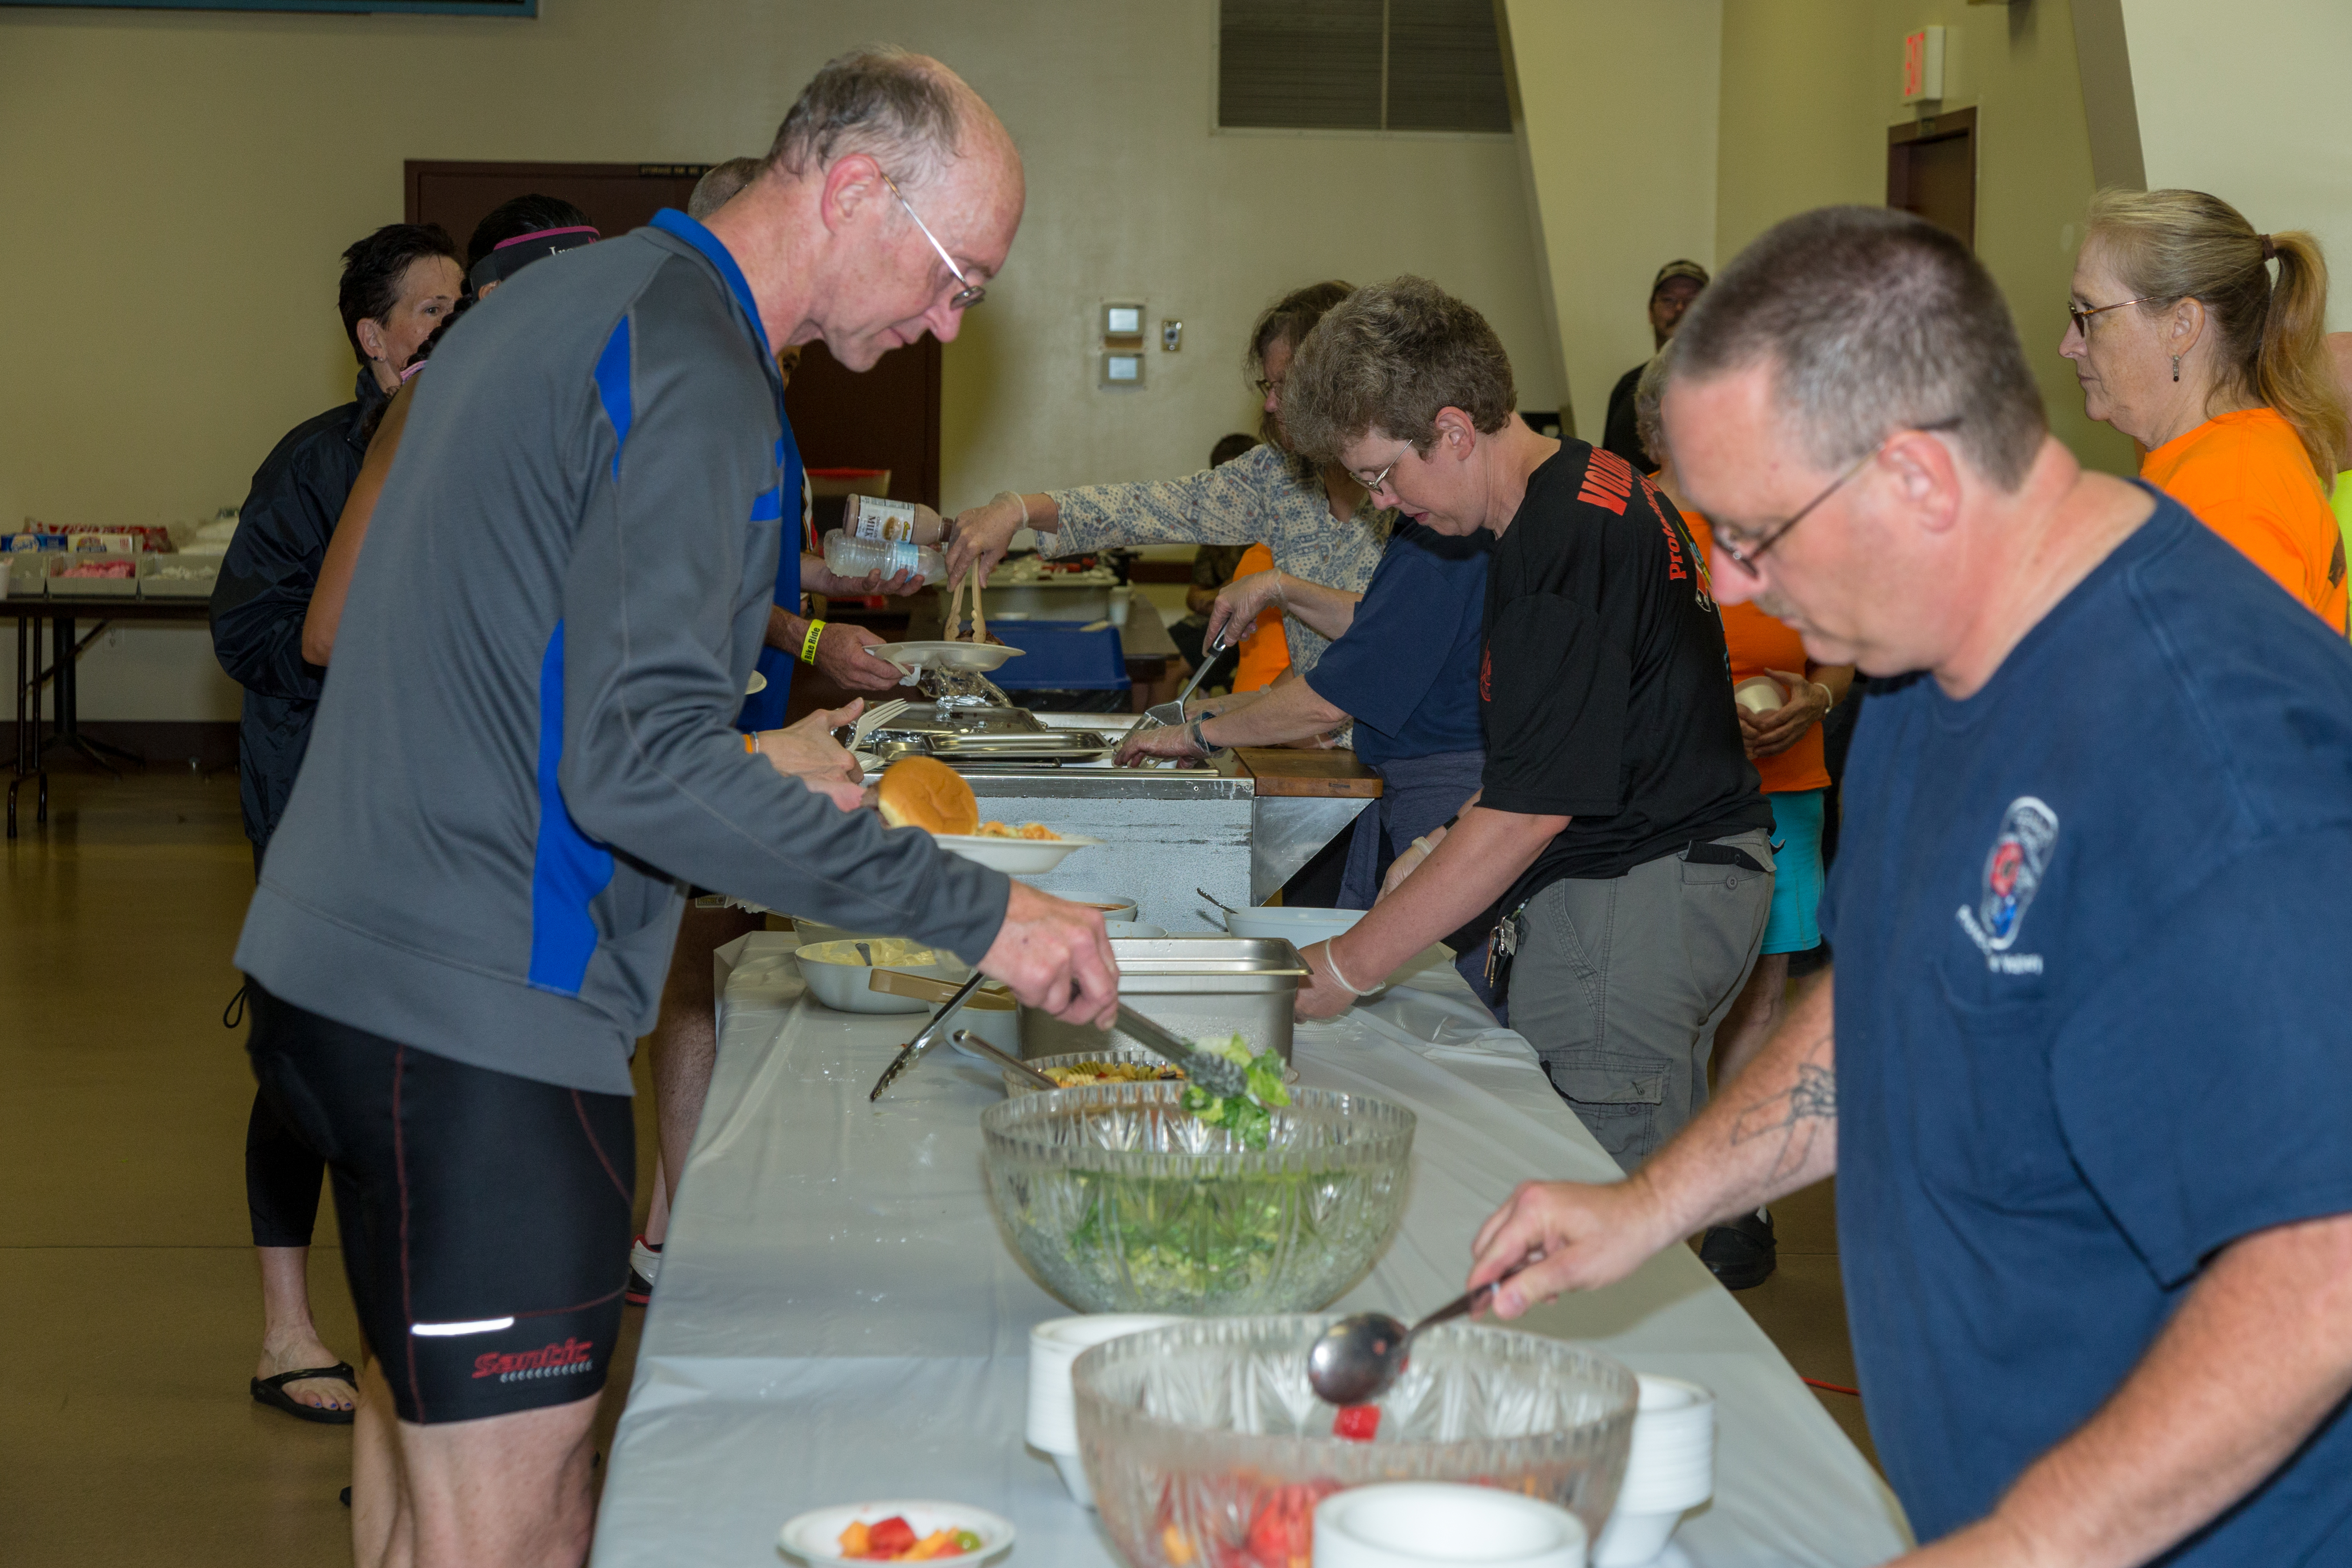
925, 793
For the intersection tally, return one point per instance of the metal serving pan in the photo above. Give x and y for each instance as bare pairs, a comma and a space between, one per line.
1195, 986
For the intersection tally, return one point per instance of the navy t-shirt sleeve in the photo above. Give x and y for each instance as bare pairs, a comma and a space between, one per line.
1557, 690
2205, 1087
1396, 645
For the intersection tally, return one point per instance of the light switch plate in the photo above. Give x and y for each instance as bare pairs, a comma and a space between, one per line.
1122, 370
1122, 324
1171, 337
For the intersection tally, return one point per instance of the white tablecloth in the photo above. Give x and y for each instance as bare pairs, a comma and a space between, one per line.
839, 1318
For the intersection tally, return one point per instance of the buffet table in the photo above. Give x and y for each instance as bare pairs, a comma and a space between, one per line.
837, 1318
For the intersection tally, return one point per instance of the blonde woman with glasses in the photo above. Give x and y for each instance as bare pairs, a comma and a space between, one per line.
2183, 341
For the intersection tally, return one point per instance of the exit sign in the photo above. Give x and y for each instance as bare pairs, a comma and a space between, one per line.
1922, 65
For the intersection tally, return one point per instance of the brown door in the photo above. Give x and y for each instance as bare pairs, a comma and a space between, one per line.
887, 418
1931, 170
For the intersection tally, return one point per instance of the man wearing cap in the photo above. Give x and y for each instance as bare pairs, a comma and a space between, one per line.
1671, 293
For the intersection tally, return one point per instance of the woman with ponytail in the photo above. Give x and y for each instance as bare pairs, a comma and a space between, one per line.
2184, 342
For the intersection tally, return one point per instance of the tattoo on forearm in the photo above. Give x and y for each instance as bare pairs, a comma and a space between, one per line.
1800, 1113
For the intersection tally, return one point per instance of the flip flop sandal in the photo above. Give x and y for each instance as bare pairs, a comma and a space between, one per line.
271, 1391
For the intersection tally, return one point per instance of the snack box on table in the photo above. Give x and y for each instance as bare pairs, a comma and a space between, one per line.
178, 576
121, 583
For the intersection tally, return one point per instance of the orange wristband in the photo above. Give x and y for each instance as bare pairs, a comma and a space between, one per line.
750, 740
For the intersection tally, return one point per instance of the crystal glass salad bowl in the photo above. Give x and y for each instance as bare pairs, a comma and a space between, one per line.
1120, 1201
1206, 1448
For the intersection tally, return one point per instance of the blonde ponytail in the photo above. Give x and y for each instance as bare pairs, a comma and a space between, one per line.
2270, 347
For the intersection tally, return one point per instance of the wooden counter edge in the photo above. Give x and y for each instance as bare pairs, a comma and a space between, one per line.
1336, 774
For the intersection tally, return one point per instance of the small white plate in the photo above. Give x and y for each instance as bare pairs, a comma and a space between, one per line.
758, 684
911, 657
1015, 856
816, 1536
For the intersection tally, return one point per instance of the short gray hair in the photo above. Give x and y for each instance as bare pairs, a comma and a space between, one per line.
901, 108
1385, 360
720, 184
1871, 322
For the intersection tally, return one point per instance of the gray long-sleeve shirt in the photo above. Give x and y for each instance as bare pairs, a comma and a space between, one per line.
524, 742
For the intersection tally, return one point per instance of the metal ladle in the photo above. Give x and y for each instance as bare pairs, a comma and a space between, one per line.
1356, 1359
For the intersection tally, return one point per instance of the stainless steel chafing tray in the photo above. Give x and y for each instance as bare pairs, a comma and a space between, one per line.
981, 734
1196, 986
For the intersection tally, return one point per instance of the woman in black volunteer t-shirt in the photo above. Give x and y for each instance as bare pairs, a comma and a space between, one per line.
1620, 822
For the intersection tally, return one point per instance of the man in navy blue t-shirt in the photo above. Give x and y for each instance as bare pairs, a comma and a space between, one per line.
2083, 1068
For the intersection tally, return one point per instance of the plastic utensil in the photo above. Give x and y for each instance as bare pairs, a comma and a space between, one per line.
1356, 1359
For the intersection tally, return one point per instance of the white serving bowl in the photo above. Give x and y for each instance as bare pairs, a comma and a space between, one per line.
1439, 1524
816, 1536
1133, 929
1302, 928
840, 975
1053, 1403
1014, 856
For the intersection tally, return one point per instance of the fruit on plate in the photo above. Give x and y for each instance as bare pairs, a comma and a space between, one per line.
892, 1540
924, 792
1036, 832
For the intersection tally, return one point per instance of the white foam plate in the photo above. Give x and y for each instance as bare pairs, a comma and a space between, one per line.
816, 1536
911, 657
1015, 856
757, 684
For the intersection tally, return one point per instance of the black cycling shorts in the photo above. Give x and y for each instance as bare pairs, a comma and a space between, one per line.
485, 1216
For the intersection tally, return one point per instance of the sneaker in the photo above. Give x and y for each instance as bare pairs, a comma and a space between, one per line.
1742, 1254
644, 1263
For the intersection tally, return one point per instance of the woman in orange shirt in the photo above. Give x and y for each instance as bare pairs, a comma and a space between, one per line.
2221, 376
1265, 654
1783, 733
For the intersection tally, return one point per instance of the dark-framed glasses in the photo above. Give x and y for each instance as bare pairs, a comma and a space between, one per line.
971, 293
2080, 315
1745, 557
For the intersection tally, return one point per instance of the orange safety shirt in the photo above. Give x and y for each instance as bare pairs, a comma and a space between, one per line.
2246, 477
1266, 653
1759, 644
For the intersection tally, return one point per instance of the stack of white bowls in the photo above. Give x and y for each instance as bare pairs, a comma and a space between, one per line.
1053, 1401
1670, 1470
1438, 1524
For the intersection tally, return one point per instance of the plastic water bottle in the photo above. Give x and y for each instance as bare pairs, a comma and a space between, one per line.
849, 557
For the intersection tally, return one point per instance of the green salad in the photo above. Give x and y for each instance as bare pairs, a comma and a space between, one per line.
1250, 1114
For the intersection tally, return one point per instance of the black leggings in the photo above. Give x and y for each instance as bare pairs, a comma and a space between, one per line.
282, 1177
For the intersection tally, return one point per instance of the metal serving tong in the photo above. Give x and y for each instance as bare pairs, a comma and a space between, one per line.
1169, 715
968, 1041
933, 1033
1213, 1073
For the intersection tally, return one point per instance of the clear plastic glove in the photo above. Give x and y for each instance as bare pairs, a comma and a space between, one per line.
1410, 860
1239, 605
1174, 744
979, 536
816, 577
807, 751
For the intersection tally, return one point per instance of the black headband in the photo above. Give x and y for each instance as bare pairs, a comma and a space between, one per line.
513, 254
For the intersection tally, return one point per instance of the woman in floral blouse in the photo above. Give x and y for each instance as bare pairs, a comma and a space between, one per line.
1319, 523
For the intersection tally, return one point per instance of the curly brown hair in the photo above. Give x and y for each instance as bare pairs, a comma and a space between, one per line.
1385, 360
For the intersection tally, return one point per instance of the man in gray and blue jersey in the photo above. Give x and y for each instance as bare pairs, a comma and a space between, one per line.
466, 915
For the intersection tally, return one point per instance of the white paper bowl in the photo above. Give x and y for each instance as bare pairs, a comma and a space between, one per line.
1630, 1539
1426, 1525
1054, 1344
816, 1536
838, 976
1014, 856
1110, 906
1124, 929
1759, 694
1301, 928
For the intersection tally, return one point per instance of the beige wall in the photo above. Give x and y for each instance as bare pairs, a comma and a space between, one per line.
179, 185
1616, 112
2253, 111
1809, 90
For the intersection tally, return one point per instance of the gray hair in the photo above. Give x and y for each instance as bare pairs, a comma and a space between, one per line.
1385, 360
902, 110
1871, 322
1648, 393
720, 184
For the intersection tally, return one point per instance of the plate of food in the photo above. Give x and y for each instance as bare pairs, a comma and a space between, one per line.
925, 793
912, 656
896, 1531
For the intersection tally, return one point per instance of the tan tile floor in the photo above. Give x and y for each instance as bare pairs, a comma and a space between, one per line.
130, 1310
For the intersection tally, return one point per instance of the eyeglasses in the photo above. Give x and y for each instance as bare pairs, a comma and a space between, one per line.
1264, 386
1378, 482
971, 293
2081, 318
1746, 559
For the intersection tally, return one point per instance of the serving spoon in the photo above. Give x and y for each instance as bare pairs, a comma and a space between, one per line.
1356, 1359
